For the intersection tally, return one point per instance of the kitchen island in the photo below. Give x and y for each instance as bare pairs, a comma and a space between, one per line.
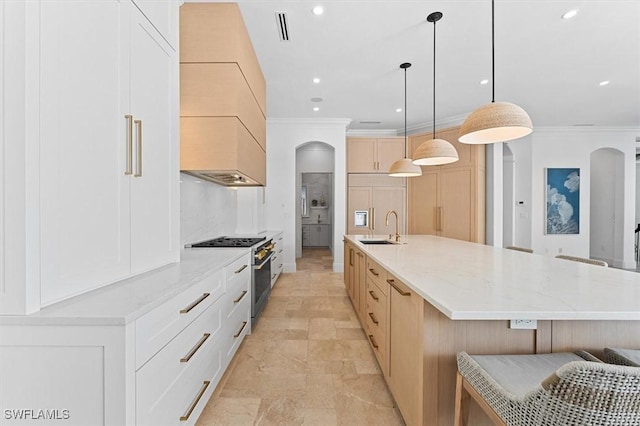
449, 295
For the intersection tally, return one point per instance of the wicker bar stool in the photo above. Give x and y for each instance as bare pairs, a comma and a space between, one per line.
621, 356
549, 390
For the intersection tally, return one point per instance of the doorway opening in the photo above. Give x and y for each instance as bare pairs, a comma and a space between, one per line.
315, 216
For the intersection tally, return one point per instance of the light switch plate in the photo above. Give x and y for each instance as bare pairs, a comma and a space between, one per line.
523, 324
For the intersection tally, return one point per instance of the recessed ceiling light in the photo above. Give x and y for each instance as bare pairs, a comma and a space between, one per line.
604, 83
316, 109
398, 109
485, 81
316, 80
318, 10
570, 14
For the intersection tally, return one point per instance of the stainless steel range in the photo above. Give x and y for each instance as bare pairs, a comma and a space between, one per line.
261, 252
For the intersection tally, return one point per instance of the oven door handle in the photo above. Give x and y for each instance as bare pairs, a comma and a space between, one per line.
264, 261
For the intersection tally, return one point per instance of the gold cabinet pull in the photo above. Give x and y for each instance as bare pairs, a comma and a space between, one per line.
129, 150
138, 148
235, 336
373, 318
360, 254
194, 303
373, 295
373, 271
350, 257
398, 289
373, 341
193, 350
244, 292
192, 407
373, 218
241, 269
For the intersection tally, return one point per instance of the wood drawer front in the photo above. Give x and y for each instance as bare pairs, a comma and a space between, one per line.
236, 328
376, 309
166, 387
156, 328
377, 274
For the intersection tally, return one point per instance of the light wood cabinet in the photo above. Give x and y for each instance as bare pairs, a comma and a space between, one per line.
371, 155
405, 350
449, 200
376, 313
376, 195
97, 224
354, 278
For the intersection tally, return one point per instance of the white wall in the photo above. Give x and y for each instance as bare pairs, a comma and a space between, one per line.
572, 147
607, 207
283, 137
521, 150
207, 210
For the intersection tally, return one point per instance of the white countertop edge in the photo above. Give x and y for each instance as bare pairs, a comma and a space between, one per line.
455, 314
62, 313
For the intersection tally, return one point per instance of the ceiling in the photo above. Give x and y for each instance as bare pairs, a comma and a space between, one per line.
549, 66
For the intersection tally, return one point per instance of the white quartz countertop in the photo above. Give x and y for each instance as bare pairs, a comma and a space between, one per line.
125, 301
470, 281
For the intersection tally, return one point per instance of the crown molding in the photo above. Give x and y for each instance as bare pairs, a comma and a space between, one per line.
311, 122
372, 132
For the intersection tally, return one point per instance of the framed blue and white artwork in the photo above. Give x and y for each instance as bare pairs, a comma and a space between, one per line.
562, 201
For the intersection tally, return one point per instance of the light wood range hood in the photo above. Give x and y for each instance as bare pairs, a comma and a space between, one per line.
222, 97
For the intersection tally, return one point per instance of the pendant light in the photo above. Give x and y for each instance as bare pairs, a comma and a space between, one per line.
497, 121
435, 151
405, 167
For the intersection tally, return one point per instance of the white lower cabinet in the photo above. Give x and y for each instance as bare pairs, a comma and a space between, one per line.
172, 385
159, 369
277, 261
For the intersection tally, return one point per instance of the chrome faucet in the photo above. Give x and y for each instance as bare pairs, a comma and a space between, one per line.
386, 222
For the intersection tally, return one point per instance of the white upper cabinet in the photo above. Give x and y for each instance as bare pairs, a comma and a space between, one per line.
153, 104
98, 62
163, 14
84, 193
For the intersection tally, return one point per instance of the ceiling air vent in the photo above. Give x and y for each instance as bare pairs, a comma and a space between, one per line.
369, 122
283, 25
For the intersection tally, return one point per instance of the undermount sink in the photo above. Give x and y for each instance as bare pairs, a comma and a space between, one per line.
377, 242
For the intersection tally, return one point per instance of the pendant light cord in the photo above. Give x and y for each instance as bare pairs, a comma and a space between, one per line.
493, 54
434, 80
406, 150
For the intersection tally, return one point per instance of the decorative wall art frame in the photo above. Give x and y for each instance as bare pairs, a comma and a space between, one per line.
562, 197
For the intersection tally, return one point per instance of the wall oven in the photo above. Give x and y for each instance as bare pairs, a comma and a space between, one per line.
261, 252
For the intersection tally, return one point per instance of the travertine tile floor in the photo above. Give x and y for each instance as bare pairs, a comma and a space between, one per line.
307, 361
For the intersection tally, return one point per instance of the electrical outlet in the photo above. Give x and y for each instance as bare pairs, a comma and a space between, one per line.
523, 324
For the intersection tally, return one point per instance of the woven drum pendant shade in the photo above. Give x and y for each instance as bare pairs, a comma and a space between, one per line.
495, 122
498, 121
434, 152
404, 168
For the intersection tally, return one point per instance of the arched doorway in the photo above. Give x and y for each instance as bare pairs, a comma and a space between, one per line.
607, 205
315, 221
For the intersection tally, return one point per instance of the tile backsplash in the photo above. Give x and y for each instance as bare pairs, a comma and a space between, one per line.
207, 210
